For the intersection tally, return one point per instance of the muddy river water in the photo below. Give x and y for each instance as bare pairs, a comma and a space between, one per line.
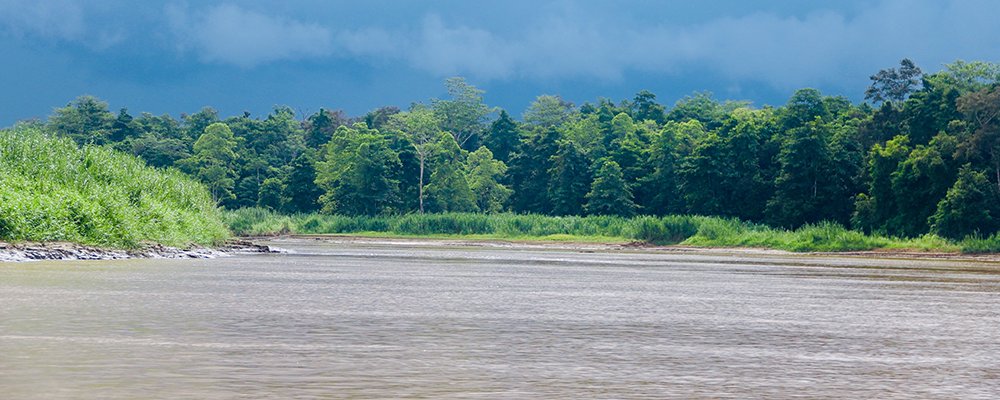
418, 320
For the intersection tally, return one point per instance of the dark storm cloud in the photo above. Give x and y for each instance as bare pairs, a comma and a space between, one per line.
122, 51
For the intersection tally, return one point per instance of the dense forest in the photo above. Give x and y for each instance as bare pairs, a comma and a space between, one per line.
921, 155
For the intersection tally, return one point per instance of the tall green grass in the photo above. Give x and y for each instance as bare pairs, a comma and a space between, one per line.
52, 190
673, 229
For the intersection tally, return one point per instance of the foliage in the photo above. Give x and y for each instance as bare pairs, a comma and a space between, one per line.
484, 175
449, 188
969, 208
887, 170
357, 172
52, 190
894, 84
609, 194
672, 229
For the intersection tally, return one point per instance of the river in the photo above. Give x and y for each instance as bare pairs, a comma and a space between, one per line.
418, 320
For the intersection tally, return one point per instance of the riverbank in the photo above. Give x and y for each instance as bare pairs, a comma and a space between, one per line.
52, 190
684, 230
32, 251
592, 246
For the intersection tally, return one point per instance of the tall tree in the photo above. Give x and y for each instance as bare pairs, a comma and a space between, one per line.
919, 183
644, 107
982, 109
86, 120
970, 207
529, 172
609, 194
449, 189
484, 176
803, 187
320, 126
356, 172
503, 137
570, 180
214, 160
659, 192
420, 127
548, 112
299, 192
894, 84
464, 114
875, 210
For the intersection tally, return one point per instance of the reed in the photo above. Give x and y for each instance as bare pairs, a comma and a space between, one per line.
690, 230
52, 190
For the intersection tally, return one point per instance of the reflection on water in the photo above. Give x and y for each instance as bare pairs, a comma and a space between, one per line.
381, 321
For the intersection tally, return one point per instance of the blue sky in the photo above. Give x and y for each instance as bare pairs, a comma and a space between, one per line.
176, 56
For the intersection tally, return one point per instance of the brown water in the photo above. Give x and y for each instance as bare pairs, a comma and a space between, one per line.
393, 320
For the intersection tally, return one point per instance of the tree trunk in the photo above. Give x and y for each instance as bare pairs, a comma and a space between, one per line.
421, 185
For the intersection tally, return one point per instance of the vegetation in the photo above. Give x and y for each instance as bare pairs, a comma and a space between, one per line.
671, 229
52, 190
921, 156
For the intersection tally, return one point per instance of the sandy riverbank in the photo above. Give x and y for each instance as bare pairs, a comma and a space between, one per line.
634, 246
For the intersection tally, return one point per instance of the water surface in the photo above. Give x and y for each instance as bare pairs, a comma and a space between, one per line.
391, 320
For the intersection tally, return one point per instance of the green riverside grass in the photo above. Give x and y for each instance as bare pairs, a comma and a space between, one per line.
52, 190
674, 229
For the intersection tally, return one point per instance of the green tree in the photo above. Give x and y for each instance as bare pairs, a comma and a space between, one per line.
609, 194
875, 210
123, 128
503, 137
464, 115
626, 147
570, 180
967, 77
420, 127
194, 125
484, 177
319, 127
357, 172
969, 207
919, 183
299, 193
803, 108
548, 111
86, 120
269, 195
659, 192
982, 109
805, 185
529, 172
214, 160
644, 107
894, 84
449, 189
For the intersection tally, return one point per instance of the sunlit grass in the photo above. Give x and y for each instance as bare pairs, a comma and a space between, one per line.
674, 229
52, 190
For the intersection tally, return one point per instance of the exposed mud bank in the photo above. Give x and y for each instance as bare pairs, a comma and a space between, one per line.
14, 252
643, 247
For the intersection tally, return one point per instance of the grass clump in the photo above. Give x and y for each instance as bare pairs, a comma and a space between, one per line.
52, 190
672, 229
978, 244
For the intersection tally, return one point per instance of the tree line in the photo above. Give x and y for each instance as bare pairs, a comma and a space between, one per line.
920, 155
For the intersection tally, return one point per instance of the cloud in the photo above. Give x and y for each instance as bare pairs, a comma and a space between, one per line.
59, 19
785, 51
229, 34
56, 20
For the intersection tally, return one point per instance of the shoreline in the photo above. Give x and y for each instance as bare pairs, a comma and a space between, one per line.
633, 246
35, 251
